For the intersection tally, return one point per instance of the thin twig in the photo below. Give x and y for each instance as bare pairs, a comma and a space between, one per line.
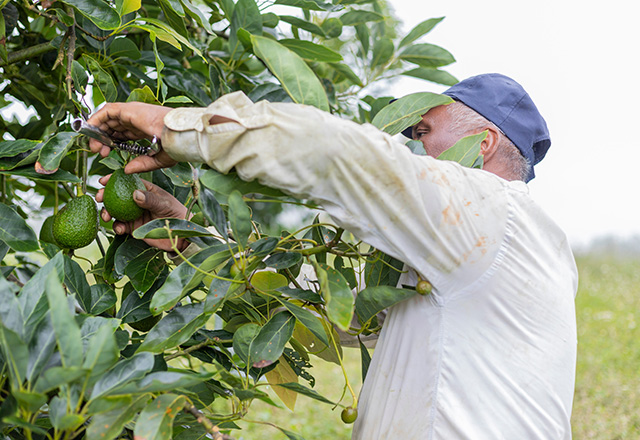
205, 422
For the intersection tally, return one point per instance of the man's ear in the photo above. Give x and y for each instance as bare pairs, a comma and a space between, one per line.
489, 145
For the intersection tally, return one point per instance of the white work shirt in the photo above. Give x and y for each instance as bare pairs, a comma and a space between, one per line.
491, 353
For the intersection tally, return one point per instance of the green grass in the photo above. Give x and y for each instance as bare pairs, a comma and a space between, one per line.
607, 393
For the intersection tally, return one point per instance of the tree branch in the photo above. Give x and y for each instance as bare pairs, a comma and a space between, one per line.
206, 423
25, 54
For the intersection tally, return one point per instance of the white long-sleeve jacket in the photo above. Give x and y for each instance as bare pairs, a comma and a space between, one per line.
491, 353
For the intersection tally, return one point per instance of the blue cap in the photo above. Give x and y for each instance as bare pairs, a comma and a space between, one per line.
505, 103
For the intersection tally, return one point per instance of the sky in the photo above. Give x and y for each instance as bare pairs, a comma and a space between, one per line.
579, 61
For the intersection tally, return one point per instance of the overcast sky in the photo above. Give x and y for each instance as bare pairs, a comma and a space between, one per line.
580, 62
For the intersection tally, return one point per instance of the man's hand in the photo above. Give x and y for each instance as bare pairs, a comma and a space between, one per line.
157, 203
132, 120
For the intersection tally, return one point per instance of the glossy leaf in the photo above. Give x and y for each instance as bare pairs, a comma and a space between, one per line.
176, 285
98, 11
225, 184
102, 352
161, 381
302, 24
337, 295
311, 5
13, 148
416, 147
156, 419
283, 260
102, 79
465, 151
175, 328
129, 6
15, 232
301, 389
268, 281
434, 75
102, 298
126, 252
53, 151
382, 52
311, 51
16, 356
65, 327
124, 372
246, 15
212, 211
293, 73
365, 360
30, 173
144, 269
55, 377
178, 227
239, 219
373, 300
308, 319
355, 17
242, 339
41, 347
76, 282
419, 30
134, 308
269, 343
407, 111
346, 71
427, 55
264, 246
109, 424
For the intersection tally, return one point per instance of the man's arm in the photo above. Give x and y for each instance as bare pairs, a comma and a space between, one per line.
445, 221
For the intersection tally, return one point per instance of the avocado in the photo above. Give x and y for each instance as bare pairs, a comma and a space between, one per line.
76, 225
46, 231
118, 196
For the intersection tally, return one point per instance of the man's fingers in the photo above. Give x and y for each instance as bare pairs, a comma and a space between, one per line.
143, 164
121, 228
105, 215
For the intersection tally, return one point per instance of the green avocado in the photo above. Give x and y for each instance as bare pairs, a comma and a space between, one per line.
46, 231
118, 196
76, 225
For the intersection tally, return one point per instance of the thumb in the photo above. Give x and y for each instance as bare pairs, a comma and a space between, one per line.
156, 204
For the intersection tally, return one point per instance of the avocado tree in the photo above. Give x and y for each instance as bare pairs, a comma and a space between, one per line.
116, 339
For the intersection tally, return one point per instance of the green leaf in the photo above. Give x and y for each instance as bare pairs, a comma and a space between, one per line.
156, 419
175, 328
303, 24
268, 281
98, 11
102, 352
337, 295
365, 359
301, 389
433, 75
269, 343
15, 232
239, 219
225, 184
416, 147
162, 30
355, 17
384, 271
178, 227
212, 210
41, 347
294, 74
310, 5
65, 327
382, 52
283, 260
407, 111
466, 150
13, 148
124, 372
174, 16
102, 298
176, 285
346, 71
126, 252
308, 319
160, 381
134, 308
55, 377
28, 400
194, 12
311, 51
108, 425
16, 356
242, 339
79, 76
427, 55
246, 15
419, 30
53, 151
30, 173
144, 269
264, 246
102, 79
129, 6
178, 100
124, 47
144, 94
76, 281
373, 300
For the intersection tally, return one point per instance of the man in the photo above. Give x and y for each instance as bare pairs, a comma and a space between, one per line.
491, 353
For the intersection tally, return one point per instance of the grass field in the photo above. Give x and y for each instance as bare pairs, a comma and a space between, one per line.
607, 393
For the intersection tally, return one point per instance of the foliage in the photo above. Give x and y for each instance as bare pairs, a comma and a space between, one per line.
129, 343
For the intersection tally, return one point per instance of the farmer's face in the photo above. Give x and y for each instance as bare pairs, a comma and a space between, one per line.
433, 131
